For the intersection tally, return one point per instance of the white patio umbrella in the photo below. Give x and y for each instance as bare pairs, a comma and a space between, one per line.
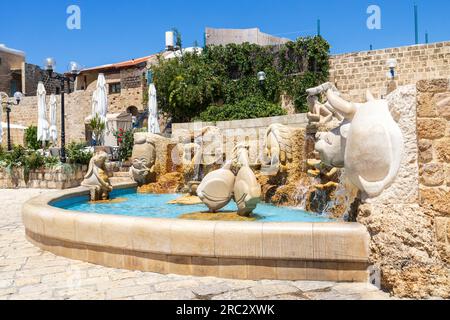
42, 130
153, 124
100, 101
53, 134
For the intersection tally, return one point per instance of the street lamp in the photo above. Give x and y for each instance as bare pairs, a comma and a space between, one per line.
8, 103
70, 76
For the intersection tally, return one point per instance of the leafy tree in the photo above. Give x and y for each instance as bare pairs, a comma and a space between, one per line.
226, 75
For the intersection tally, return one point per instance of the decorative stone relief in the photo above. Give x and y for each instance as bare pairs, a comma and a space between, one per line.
277, 147
97, 179
143, 158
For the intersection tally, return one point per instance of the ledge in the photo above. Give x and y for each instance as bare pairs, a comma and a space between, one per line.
301, 251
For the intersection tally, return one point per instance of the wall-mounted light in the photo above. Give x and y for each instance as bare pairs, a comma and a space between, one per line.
391, 64
261, 77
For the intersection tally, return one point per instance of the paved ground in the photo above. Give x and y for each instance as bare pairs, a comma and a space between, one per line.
27, 272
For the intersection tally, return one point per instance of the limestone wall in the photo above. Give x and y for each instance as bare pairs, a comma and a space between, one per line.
251, 131
434, 142
58, 178
77, 108
353, 73
409, 223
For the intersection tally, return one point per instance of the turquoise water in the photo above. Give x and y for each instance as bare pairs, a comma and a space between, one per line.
155, 206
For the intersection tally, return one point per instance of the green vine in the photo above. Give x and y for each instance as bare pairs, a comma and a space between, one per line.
226, 76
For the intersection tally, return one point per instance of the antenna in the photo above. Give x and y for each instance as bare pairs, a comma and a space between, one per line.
416, 22
318, 27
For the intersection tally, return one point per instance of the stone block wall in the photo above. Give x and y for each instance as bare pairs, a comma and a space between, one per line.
353, 73
251, 131
77, 108
433, 111
58, 178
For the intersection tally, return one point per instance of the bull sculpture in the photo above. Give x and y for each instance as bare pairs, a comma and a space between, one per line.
370, 143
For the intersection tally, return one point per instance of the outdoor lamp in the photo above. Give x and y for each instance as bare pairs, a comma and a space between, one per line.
392, 64
9, 102
74, 68
18, 97
261, 77
50, 65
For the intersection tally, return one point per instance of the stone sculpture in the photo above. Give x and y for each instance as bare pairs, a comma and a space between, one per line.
318, 112
247, 190
374, 143
216, 189
97, 179
277, 146
143, 158
210, 141
331, 145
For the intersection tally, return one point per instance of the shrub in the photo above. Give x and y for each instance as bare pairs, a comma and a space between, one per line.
190, 85
249, 108
125, 139
77, 154
31, 140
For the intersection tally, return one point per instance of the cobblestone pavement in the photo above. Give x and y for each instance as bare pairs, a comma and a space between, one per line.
27, 272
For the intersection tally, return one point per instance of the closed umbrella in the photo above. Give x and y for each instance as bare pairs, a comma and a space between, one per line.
53, 128
100, 102
101, 99
153, 124
43, 127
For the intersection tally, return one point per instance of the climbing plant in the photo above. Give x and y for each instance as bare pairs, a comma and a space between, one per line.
226, 76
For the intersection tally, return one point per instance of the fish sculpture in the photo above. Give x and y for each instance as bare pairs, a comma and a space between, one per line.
247, 190
216, 188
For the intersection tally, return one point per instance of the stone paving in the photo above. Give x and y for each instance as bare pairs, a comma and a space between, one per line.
27, 272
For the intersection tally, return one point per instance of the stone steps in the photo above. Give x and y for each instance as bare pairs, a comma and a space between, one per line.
121, 174
120, 180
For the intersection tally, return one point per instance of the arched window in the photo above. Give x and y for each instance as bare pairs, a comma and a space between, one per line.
133, 110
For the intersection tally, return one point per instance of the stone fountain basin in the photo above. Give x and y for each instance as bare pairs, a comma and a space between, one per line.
236, 250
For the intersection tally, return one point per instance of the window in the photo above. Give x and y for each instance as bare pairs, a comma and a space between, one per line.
114, 88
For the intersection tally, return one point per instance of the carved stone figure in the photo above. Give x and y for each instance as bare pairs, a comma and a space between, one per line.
318, 112
97, 179
374, 146
331, 145
277, 146
211, 145
143, 158
247, 190
216, 189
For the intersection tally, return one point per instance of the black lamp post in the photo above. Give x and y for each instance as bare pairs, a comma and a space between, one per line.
69, 77
8, 104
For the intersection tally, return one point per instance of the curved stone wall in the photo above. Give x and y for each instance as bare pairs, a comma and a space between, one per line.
253, 250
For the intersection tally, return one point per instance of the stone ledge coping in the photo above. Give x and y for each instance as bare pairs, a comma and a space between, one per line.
236, 250
325, 242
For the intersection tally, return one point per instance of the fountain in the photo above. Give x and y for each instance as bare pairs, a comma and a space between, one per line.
300, 169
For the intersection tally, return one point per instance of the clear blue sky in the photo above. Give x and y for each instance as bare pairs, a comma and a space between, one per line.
114, 30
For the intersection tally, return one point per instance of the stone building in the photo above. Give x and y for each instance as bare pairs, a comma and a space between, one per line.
239, 36
12, 70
